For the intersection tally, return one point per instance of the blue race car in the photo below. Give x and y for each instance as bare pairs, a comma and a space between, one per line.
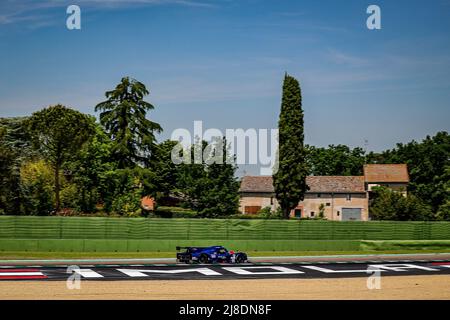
214, 254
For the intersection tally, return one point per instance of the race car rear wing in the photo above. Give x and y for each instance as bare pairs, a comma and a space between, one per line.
193, 248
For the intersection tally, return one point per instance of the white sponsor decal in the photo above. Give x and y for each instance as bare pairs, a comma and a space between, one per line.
326, 270
8, 274
375, 270
400, 267
142, 272
245, 271
87, 273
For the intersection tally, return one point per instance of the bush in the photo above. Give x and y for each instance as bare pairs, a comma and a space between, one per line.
128, 204
37, 187
241, 216
174, 212
321, 211
266, 211
444, 212
392, 205
70, 197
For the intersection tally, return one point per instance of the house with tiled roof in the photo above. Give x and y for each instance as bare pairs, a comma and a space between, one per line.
335, 197
394, 176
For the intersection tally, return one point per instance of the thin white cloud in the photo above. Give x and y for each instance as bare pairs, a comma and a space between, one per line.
37, 12
340, 57
183, 89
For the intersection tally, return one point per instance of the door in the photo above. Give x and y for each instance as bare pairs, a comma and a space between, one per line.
252, 209
351, 214
298, 213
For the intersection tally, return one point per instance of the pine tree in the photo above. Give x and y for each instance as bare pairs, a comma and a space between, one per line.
124, 117
290, 178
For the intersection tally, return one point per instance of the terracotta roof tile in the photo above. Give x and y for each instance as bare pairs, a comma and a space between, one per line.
386, 173
335, 183
316, 184
256, 184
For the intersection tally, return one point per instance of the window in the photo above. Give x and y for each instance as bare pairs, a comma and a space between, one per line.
328, 204
271, 200
349, 197
338, 213
319, 195
312, 213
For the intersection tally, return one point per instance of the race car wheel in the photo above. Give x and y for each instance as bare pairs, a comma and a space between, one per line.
203, 258
240, 258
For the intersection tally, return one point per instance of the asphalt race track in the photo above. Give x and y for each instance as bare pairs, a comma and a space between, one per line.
263, 270
372, 258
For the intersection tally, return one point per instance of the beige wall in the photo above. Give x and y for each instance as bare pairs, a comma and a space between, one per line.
333, 205
258, 199
311, 203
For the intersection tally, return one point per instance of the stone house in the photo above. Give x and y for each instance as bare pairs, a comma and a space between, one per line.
394, 176
334, 197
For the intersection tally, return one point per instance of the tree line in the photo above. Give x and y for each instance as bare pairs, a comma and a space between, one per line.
61, 161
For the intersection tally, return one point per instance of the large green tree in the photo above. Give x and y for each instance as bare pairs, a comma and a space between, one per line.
15, 147
428, 164
7, 174
210, 187
90, 170
36, 179
337, 160
166, 171
392, 205
123, 115
17, 137
59, 133
290, 179
444, 208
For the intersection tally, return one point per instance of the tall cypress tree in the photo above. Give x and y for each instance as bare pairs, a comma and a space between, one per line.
290, 179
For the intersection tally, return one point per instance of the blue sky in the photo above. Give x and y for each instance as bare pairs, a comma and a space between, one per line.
223, 62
